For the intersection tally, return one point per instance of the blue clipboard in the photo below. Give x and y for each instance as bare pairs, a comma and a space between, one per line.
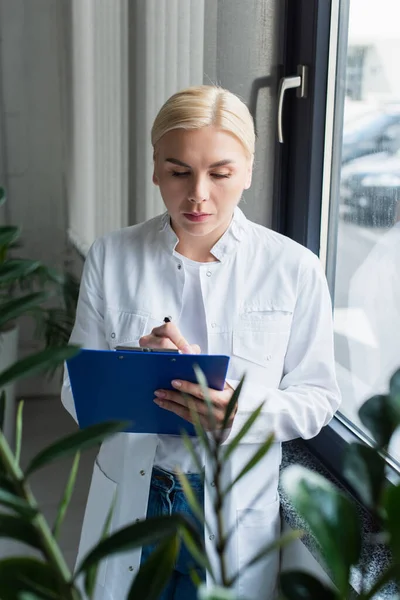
112, 385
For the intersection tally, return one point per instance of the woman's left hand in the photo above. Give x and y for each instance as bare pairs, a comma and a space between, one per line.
176, 402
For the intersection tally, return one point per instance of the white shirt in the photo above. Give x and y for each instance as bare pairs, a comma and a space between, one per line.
171, 451
268, 307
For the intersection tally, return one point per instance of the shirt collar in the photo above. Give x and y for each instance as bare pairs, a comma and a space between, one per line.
226, 245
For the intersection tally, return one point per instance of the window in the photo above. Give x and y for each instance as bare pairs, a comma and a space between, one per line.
363, 254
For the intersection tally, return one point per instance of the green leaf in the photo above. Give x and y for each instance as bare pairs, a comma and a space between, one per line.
2, 408
14, 308
394, 387
19, 575
136, 535
332, 518
191, 496
91, 573
197, 551
232, 403
364, 469
296, 585
65, 500
380, 418
255, 459
80, 441
215, 593
19, 529
199, 429
36, 363
18, 505
2, 196
154, 575
18, 432
203, 383
391, 505
283, 541
240, 435
8, 235
190, 448
15, 269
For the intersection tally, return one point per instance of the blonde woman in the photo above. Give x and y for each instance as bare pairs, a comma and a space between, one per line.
231, 287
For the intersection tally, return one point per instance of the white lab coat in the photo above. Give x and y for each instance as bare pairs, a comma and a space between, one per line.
267, 306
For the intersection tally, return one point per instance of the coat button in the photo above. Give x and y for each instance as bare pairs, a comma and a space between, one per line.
208, 273
211, 537
179, 267
113, 335
213, 484
142, 472
131, 568
213, 325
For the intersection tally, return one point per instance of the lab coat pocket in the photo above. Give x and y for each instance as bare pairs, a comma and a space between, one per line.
261, 337
100, 498
124, 328
256, 528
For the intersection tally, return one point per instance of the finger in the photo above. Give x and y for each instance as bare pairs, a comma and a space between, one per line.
163, 397
170, 331
158, 343
218, 398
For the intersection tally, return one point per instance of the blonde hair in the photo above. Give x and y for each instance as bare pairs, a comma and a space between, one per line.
202, 106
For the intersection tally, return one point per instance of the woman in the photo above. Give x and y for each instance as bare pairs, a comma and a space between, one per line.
230, 287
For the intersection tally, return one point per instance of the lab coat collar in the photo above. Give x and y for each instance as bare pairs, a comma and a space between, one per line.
226, 245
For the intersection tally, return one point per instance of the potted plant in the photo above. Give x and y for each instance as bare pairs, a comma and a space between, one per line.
28, 287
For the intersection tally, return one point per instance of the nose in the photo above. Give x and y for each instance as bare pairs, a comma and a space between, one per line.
199, 191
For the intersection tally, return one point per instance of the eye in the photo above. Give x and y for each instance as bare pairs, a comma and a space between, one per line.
180, 173
220, 175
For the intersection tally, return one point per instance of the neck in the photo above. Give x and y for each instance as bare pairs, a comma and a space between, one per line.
198, 248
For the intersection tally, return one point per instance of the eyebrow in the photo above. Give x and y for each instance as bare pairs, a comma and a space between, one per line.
220, 163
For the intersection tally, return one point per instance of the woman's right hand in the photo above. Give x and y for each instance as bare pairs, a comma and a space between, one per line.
168, 337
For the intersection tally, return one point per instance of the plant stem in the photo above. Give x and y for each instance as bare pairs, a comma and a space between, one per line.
220, 523
49, 546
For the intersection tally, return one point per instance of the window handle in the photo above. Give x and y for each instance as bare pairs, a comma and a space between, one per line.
298, 81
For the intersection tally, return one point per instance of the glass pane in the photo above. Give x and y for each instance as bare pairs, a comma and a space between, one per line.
366, 236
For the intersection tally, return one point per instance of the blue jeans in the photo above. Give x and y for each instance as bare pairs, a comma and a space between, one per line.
167, 497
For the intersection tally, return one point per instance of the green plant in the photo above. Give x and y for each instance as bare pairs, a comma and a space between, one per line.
332, 517
30, 288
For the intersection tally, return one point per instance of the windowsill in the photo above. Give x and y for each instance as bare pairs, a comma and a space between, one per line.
375, 558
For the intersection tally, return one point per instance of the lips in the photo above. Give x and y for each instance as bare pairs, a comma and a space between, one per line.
196, 217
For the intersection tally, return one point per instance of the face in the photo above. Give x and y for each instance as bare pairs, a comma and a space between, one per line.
201, 174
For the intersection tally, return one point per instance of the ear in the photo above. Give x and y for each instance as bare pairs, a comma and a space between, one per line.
249, 173
155, 178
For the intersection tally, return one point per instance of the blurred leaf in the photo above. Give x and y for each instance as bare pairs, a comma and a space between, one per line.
255, 459
191, 496
394, 388
391, 505
190, 448
18, 268
80, 441
232, 403
18, 505
36, 363
19, 575
283, 541
8, 235
65, 500
364, 469
296, 585
14, 308
19, 529
136, 535
240, 435
155, 573
331, 517
18, 431
201, 378
2, 196
2, 408
379, 417
91, 573
197, 550
215, 593
201, 434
